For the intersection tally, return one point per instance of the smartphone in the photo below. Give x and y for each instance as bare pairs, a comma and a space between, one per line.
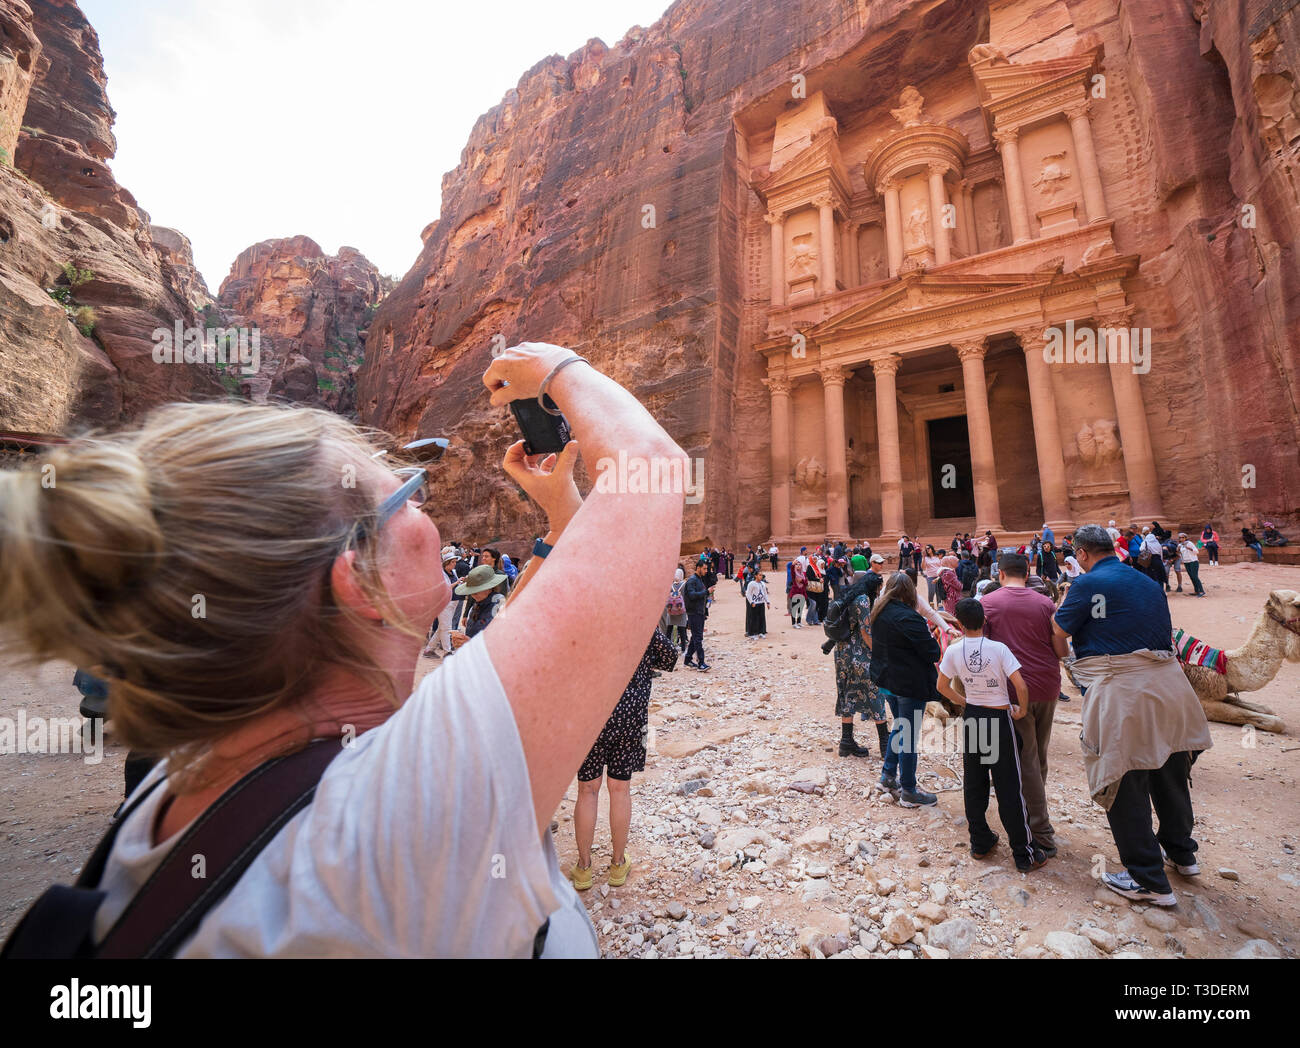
543, 432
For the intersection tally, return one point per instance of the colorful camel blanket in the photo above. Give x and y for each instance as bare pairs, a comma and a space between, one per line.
1195, 652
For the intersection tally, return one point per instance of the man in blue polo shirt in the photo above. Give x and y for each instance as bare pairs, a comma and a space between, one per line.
1142, 723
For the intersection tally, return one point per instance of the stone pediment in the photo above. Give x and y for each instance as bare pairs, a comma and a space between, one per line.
1013, 92
925, 295
818, 169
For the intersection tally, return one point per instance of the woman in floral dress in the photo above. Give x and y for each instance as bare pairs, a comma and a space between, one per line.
854, 690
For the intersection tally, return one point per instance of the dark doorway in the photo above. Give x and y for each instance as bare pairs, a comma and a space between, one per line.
951, 483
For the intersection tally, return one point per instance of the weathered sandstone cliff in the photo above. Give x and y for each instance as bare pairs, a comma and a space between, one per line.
606, 204
311, 311
61, 207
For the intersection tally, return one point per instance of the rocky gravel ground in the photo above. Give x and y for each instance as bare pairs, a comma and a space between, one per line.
752, 837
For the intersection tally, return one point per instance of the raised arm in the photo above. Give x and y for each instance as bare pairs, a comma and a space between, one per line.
567, 646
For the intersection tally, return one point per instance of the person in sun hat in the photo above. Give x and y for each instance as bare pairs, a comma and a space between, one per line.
483, 604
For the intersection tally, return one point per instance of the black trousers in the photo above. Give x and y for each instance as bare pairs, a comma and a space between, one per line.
774, 562
696, 646
1168, 789
991, 749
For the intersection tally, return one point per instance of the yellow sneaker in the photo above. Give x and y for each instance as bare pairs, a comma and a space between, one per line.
618, 871
582, 877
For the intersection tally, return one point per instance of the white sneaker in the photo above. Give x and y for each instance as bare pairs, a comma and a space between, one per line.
1187, 871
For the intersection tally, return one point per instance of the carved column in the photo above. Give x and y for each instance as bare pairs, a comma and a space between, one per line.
1131, 416
967, 217
938, 231
893, 223
1008, 144
988, 513
826, 241
837, 462
1094, 201
777, 222
778, 385
1047, 433
891, 467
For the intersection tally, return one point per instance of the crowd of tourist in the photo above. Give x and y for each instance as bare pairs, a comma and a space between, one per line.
475, 759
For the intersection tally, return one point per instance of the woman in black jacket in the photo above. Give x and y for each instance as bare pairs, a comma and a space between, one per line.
903, 655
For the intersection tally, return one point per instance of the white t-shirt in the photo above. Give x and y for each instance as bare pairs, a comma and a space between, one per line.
771, 552
421, 841
1188, 552
983, 666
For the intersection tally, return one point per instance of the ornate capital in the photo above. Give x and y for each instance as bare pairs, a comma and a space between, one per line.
833, 374
937, 167
1003, 135
778, 384
823, 200
1032, 339
888, 185
971, 348
774, 218
1081, 108
886, 365
1114, 318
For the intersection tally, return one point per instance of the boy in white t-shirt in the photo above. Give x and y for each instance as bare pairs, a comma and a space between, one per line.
990, 743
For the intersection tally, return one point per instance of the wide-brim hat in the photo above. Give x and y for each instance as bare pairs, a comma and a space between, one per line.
450, 553
484, 577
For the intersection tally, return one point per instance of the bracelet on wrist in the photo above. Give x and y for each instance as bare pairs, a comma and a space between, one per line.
546, 382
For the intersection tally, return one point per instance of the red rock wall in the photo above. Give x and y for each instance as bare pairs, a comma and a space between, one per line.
540, 235
60, 204
312, 311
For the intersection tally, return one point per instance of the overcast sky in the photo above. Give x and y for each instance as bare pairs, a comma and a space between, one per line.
242, 120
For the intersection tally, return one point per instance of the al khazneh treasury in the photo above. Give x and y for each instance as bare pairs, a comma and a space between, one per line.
915, 267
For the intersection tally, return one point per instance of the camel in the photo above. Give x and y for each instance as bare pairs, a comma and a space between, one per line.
1275, 636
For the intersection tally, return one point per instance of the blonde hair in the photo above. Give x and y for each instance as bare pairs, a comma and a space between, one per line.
187, 562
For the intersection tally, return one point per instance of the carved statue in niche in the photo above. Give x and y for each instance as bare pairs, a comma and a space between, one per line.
875, 267
809, 474
1053, 175
989, 224
1098, 443
918, 226
803, 257
986, 53
909, 108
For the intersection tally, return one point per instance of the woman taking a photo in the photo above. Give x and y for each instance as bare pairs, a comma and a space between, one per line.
318, 597
903, 657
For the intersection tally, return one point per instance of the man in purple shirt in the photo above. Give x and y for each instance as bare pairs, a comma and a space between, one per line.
1021, 619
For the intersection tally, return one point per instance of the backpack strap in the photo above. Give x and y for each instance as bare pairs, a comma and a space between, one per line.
229, 835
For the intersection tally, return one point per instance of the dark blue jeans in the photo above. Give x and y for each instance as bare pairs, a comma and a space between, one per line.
1259, 550
696, 645
904, 738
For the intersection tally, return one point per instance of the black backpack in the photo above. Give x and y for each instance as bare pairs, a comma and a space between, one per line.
838, 624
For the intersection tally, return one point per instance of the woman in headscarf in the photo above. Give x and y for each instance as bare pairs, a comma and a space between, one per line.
855, 692
950, 584
798, 593
756, 602
1210, 539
